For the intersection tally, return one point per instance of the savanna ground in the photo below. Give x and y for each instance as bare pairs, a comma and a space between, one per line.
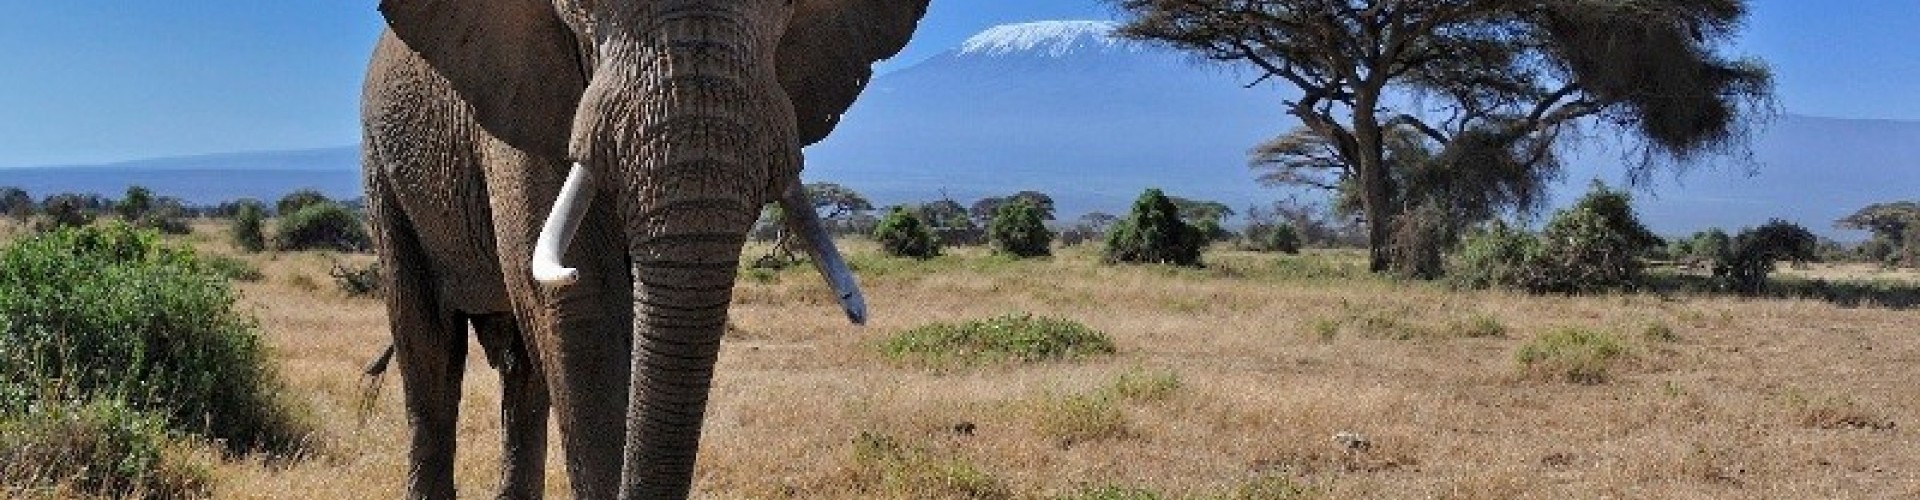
1229, 382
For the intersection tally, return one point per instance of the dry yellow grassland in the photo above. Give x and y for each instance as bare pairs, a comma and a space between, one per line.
1232, 381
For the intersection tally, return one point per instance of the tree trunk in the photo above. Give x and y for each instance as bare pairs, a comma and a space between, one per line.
1376, 183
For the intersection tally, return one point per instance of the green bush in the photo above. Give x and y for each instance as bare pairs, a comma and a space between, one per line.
248, 227
1274, 237
135, 205
1755, 251
109, 313
1581, 253
1496, 256
322, 226
1017, 229
65, 210
1013, 337
101, 448
1153, 233
902, 234
298, 200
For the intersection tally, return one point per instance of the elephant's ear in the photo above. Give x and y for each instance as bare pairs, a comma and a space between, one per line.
828, 53
514, 61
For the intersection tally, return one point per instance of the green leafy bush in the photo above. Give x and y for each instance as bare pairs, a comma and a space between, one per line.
322, 226
298, 200
1013, 337
1753, 254
101, 448
1154, 233
1496, 256
248, 227
902, 234
1017, 229
109, 313
1581, 253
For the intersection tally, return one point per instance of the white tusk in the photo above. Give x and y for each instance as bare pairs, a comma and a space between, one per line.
802, 221
561, 225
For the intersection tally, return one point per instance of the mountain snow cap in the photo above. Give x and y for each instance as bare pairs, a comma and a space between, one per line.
1051, 38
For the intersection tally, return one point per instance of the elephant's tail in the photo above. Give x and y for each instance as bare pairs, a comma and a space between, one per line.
374, 379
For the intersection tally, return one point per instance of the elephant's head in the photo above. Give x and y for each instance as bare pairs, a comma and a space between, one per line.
690, 114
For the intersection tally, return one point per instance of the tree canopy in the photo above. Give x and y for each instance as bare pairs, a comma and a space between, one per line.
1495, 82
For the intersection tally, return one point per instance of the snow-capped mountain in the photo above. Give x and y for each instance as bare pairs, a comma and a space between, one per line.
1049, 38
1062, 107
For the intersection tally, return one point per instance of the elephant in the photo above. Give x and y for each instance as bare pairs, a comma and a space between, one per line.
635, 140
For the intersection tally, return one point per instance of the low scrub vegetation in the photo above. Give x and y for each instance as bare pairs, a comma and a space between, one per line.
1577, 355
892, 468
105, 332
322, 225
1022, 338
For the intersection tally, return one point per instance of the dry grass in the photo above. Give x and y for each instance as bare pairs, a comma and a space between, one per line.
1229, 382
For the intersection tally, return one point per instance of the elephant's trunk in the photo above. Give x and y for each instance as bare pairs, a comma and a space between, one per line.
686, 109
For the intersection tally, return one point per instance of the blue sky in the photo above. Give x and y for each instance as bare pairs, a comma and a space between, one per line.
85, 81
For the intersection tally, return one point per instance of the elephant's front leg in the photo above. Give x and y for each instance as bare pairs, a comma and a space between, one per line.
523, 407
580, 335
430, 343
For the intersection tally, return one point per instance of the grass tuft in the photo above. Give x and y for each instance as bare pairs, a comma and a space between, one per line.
1112, 492
1575, 355
888, 466
1021, 338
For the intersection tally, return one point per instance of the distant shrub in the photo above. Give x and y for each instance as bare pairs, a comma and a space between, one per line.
110, 313
1580, 253
299, 200
1154, 233
1273, 237
65, 210
248, 228
1572, 354
102, 448
1496, 256
1420, 239
322, 226
135, 204
1755, 251
1014, 337
358, 281
903, 234
1017, 229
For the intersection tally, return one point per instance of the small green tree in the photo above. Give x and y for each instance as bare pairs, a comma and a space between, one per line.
902, 234
322, 226
1153, 233
1017, 229
1581, 253
248, 227
297, 200
1756, 250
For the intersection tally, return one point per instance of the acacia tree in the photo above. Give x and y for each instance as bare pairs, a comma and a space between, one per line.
1499, 80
